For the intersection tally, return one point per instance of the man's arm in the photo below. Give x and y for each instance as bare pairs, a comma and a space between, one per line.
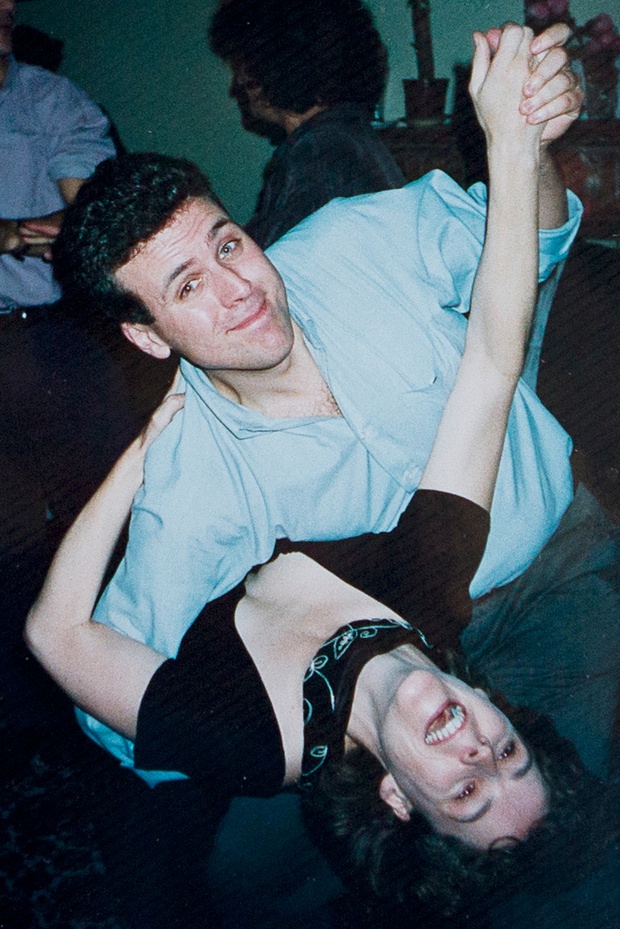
37, 235
79, 139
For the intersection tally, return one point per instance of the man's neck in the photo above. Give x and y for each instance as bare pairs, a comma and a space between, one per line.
293, 388
292, 121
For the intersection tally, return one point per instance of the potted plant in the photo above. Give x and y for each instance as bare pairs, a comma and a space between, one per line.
425, 96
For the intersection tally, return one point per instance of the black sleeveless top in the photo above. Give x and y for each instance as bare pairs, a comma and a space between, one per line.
207, 714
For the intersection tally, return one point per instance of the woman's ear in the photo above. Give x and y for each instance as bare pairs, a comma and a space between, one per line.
146, 339
390, 793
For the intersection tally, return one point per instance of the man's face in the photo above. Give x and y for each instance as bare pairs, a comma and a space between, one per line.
7, 15
257, 114
215, 298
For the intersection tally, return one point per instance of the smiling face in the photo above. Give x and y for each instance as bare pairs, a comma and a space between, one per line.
455, 758
215, 298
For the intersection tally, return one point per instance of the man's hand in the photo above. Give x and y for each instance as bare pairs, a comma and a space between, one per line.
552, 94
38, 234
10, 238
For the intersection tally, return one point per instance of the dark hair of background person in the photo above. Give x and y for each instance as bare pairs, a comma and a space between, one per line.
412, 865
304, 52
125, 203
33, 47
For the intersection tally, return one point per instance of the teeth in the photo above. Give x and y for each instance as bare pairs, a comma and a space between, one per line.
457, 717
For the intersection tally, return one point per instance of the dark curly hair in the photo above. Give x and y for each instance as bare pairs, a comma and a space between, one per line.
411, 864
304, 53
126, 202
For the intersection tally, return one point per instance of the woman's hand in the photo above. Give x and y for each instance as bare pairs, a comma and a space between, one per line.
171, 404
496, 87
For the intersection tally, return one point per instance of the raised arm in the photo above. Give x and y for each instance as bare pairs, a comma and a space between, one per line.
101, 670
467, 450
551, 95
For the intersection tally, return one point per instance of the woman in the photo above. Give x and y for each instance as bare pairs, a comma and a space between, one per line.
230, 709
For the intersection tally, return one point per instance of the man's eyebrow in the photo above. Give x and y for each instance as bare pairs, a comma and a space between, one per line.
515, 776
217, 225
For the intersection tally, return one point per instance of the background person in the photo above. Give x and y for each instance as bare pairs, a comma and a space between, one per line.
308, 76
56, 386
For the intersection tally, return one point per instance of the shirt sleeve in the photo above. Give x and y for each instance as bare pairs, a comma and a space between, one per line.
80, 134
450, 229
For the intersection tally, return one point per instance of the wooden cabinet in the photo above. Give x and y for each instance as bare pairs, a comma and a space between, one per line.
589, 158
420, 148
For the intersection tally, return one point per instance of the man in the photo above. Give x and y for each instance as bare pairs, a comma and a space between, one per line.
51, 138
309, 77
54, 136
315, 423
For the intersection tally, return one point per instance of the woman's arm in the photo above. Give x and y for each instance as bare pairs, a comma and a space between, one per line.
467, 450
103, 671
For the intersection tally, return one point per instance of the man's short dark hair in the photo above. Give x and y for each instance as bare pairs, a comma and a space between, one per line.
125, 203
411, 865
304, 52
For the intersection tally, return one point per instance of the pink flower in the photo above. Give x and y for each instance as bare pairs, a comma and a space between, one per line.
540, 10
558, 7
600, 24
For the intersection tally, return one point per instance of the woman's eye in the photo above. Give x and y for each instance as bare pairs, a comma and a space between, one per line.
467, 791
508, 751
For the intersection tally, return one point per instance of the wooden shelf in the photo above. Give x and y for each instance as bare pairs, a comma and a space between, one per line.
589, 158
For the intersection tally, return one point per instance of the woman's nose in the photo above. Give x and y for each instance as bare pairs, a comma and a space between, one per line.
478, 751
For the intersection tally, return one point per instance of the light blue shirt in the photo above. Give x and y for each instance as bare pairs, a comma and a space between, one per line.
49, 129
378, 284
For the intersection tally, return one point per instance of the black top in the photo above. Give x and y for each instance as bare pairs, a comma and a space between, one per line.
207, 713
336, 153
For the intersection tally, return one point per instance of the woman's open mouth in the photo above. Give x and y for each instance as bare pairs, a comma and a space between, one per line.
445, 724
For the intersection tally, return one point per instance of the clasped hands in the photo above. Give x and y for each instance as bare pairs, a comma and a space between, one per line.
551, 93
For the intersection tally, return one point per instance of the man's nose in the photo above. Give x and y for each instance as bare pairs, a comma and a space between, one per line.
231, 287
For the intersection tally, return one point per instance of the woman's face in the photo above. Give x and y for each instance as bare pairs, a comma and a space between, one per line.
454, 757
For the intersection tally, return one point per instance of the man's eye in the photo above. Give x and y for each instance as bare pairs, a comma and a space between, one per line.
508, 751
467, 791
227, 249
188, 288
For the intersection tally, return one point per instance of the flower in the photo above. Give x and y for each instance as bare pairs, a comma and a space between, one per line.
598, 37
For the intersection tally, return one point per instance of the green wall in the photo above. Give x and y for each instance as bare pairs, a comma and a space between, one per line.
146, 63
